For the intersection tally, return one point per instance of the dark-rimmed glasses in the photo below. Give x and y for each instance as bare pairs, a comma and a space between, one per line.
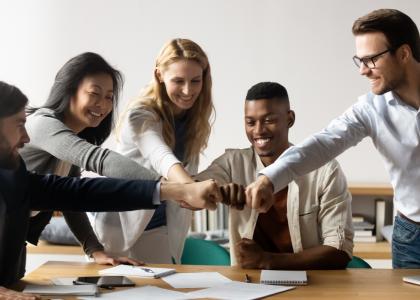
369, 61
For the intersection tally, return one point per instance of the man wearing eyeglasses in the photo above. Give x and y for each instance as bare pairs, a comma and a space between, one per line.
388, 54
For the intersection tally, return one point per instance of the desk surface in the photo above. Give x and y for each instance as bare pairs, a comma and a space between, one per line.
337, 284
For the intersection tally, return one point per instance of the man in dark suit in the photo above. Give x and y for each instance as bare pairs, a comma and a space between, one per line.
22, 191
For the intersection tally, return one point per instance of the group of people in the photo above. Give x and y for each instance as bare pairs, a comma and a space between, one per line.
289, 204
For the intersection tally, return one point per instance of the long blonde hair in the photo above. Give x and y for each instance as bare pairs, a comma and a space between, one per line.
154, 97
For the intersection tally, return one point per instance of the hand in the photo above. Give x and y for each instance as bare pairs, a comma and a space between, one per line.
195, 195
259, 194
204, 194
250, 255
184, 204
101, 258
13, 295
233, 195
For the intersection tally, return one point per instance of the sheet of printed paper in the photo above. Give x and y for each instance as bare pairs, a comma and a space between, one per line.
239, 290
144, 292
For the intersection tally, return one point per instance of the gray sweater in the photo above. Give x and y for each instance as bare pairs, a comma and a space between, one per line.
52, 142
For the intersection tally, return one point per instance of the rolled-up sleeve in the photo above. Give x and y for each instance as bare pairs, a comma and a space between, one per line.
334, 216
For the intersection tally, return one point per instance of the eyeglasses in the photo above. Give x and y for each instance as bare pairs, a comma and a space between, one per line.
369, 61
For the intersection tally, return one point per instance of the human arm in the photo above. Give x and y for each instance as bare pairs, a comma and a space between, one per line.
51, 135
332, 222
342, 133
203, 194
52, 192
8, 294
177, 173
251, 256
79, 224
102, 258
259, 194
220, 170
143, 128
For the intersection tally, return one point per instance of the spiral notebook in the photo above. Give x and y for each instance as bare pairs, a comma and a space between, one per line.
277, 277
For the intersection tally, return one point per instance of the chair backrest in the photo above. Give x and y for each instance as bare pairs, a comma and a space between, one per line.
358, 262
202, 252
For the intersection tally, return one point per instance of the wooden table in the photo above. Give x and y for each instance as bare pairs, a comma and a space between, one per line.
337, 284
49, 248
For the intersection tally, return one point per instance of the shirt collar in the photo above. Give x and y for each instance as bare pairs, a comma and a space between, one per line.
391, 97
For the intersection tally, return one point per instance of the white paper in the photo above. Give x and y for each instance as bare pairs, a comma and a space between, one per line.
144, 292
239, 290
412, 279
196, 280
126, 270
55, 290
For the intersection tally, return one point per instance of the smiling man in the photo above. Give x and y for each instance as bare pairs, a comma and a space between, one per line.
388, 54
309, 224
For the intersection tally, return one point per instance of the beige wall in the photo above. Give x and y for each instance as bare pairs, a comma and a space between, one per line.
305, 45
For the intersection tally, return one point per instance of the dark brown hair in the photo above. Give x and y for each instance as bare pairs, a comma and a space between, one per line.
12, 100
67, 82
398, 28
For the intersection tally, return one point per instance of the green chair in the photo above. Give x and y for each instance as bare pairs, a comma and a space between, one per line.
358, 262
202, 252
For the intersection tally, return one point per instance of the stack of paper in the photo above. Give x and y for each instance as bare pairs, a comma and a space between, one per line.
62, 290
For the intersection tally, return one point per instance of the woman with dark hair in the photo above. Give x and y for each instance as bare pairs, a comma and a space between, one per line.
66, 134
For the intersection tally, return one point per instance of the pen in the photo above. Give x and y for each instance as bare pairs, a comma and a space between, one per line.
247, 278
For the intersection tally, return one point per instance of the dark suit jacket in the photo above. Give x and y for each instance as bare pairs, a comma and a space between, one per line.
22, 191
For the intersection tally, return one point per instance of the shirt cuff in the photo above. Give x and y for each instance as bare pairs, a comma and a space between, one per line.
277, 174
156, 194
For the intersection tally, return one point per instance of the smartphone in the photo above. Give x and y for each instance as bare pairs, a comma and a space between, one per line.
105, 281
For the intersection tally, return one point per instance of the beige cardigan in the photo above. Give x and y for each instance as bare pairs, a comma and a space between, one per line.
318, 204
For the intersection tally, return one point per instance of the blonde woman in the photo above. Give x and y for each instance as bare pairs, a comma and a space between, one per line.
165, 129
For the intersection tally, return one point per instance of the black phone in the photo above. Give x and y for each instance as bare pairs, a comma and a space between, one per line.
105, 281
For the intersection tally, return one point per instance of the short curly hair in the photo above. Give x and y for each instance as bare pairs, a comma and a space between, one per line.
267, 90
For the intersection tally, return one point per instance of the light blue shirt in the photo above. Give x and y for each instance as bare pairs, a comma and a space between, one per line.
394, 129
